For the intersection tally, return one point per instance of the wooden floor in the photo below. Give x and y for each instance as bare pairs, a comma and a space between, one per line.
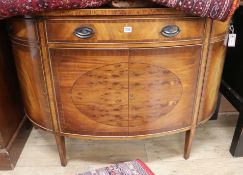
210, 155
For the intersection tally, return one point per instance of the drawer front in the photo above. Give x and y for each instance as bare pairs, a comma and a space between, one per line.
124, 30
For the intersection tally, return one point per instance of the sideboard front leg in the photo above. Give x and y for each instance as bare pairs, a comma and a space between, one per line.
188, 143
60, 140
216, 113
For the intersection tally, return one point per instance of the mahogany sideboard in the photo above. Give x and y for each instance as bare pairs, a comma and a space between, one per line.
118, 73
14, 127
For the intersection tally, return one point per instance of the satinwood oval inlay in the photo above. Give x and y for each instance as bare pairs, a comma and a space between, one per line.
102, 94
111, 93
154, 92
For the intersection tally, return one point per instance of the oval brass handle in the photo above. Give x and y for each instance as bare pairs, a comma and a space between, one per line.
84, 32
170, 31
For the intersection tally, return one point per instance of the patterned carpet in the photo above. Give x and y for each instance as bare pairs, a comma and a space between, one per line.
215, 9
136, 167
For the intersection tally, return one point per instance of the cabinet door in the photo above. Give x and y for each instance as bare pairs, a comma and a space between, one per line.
92, 90
162, 85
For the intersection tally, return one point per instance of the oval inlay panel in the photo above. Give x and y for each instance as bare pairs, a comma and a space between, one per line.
153, 91
102, 94
111, 93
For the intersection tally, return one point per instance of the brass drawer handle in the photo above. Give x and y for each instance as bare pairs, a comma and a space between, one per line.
84, 32
170, 31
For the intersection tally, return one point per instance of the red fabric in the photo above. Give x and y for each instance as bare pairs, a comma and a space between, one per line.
20, 7
215, 9
145, 167
136, 167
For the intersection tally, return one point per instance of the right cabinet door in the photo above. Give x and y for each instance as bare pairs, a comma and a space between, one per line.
162, 86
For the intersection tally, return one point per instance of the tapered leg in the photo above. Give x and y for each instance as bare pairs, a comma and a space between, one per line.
215, 115
188, 143
60, 140
236, 148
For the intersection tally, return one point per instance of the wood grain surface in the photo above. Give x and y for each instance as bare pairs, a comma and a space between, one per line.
118, 84
111, 29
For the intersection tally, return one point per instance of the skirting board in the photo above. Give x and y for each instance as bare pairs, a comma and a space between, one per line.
9, 155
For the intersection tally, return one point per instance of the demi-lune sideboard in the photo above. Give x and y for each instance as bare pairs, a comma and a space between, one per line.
118, 73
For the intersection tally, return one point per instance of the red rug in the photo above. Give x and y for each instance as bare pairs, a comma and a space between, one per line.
215, 9
136, 167
21, 7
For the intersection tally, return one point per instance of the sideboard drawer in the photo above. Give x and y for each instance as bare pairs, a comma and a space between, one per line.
113, 30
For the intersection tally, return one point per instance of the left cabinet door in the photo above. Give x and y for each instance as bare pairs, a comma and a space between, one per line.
91, 90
